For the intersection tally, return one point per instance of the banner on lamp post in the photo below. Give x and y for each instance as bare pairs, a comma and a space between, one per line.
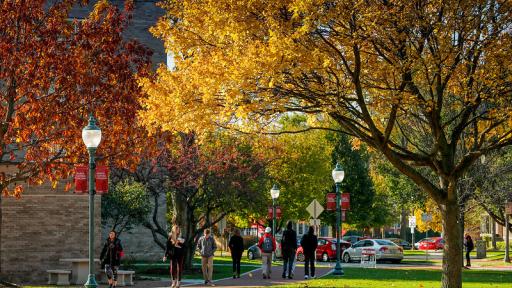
82, 179
345, 201
331, 202
271, 214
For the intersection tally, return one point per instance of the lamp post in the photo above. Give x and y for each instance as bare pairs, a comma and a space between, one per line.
337, 175
91, 135
274, 193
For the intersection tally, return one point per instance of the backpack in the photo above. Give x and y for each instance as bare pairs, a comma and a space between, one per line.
267, 245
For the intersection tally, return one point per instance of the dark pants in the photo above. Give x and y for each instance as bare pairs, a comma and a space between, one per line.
111, 271
468, 260
176, 267
236, 257
288, 259
309, 259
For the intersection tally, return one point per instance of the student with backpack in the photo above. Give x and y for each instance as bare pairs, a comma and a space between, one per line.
267, 245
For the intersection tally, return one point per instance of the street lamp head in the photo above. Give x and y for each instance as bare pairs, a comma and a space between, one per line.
91, 134
338, 174
274, 192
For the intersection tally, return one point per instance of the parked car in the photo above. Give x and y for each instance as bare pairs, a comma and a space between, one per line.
402, 243
385, 250
326, 249
434, 243
254, 252
353, 239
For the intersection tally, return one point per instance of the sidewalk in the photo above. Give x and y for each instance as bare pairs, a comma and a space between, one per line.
249, 279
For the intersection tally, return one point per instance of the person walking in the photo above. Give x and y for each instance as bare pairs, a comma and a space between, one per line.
236, 246
175, 251
309, 243
468, 243
111, 257
288, 248
267, 245
207, 247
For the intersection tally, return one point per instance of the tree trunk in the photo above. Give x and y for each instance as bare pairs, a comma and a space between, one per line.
462, 225
403, 225
452, 256
184, 218
493, 234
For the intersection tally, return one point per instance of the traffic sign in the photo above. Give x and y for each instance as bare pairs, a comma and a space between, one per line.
412, 221
315, 208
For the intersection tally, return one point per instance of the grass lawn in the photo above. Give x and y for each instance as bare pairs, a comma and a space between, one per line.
222, 268
403, 278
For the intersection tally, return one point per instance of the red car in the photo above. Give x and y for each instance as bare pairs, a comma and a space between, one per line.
434, 243
326, 249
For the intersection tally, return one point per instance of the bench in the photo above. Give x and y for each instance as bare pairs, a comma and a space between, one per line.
58, 277
124, 277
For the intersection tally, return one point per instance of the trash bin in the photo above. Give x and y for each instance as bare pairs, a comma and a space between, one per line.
481, 249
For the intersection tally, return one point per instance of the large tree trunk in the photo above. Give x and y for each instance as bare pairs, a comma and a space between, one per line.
452, 257
403, 225
183, 216
493, 234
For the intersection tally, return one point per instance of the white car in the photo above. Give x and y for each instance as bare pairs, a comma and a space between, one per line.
385, 250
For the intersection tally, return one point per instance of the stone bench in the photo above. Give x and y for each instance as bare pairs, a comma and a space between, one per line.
58, 277
124, 277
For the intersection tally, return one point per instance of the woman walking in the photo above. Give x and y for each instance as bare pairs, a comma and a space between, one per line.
175, 251
236, 245
111, 257
309, 243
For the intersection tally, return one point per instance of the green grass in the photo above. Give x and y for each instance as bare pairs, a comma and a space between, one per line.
222, 268
407, 278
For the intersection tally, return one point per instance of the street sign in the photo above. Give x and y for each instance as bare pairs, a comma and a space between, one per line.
426, 217
508, 208
315, 209
412, 230
314, 222
412, 222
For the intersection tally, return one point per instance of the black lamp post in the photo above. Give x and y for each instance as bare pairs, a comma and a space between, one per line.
337, 175
91, 135
274, 193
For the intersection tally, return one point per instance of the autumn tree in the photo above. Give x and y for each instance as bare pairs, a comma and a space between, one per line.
210, 180
53, 72
414, 80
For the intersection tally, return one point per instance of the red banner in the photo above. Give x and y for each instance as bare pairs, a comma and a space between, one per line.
81, 173
345, 201
82, 179
331, 201
271, 214
101, 179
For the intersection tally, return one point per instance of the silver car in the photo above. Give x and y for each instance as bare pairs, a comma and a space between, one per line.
385, 250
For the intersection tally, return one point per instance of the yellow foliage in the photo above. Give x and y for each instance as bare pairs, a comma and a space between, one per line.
432, 209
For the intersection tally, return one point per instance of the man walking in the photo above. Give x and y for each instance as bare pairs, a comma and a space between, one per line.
207, 247
288, 248
309, 244
267, 245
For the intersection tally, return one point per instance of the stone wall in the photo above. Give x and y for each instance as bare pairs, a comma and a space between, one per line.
45, 225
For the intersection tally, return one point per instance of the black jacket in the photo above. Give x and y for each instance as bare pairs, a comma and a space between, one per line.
309, 243
289, 240
236, 245
111, 252
468, 242
174, 252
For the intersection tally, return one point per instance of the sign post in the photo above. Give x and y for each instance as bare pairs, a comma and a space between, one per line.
412, 224
315, 209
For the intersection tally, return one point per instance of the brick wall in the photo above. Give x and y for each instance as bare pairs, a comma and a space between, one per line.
42, 227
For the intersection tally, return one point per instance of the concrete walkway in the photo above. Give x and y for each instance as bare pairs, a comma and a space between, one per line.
249, 279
